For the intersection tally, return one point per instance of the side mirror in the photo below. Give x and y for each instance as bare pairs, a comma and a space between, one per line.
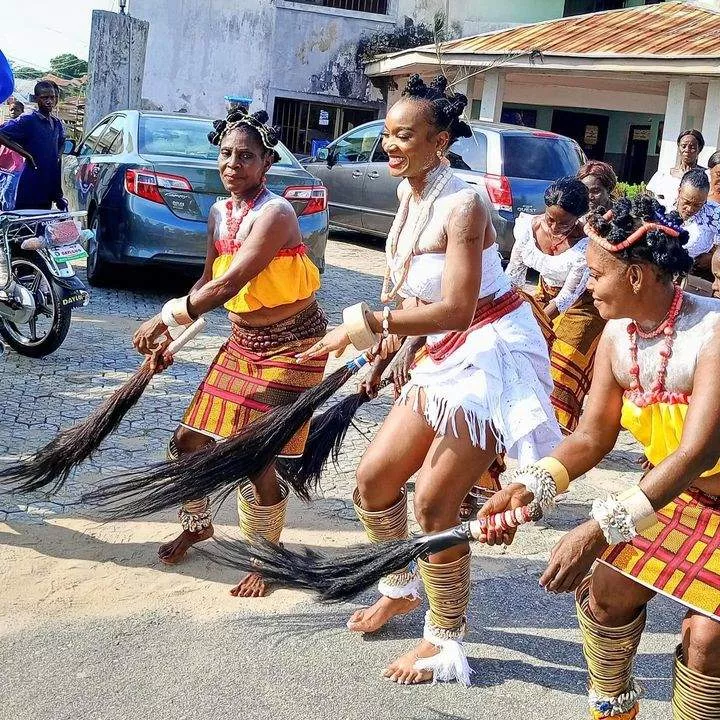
69, 147
331, 158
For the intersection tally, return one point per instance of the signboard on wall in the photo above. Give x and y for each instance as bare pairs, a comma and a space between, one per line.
592, 133
324, 118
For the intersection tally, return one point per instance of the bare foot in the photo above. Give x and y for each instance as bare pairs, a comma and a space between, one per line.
252, 585
172, 552
403, 671
371, 619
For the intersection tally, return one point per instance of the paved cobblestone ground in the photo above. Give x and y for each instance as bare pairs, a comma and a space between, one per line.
76, 590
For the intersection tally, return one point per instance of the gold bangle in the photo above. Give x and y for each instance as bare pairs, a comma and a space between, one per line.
558, 471
357, 326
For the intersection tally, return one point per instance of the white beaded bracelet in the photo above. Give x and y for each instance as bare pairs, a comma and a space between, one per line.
614, 520
386, 322
539, 482
621, 517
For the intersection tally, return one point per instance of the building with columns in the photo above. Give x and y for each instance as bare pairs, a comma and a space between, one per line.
623, 83
298, 59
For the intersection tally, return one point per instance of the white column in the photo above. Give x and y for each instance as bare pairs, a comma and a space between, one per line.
466, 86
711, 121
675, 111
492, 95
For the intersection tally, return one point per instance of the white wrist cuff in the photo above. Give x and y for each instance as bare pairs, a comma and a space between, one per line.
175, 312
621, 517
639, 508
539, 481
357, 327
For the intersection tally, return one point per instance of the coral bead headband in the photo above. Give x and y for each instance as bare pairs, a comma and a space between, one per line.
635, 237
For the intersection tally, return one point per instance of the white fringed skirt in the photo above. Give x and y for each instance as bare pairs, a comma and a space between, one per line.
499, 378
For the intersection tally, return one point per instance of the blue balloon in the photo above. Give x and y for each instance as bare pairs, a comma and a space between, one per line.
7, 81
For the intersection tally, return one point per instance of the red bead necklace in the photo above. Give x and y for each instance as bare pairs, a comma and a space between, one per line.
666, 327
233, 223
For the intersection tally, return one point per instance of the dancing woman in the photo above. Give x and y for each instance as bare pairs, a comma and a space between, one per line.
482, 386
656, 376
258, 269
554, 245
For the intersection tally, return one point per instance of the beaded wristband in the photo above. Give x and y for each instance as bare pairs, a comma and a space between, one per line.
386, 322
614, 520
539, 481
175, 312
357, 327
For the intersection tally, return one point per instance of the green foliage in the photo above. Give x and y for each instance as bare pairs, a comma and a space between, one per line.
629, 190
68, 65
25, 72
410, 35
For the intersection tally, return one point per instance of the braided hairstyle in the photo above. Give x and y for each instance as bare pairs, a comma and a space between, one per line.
253, 124
444, 109
570, 194
666, 253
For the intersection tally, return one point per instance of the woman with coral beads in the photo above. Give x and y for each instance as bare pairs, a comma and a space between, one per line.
655, 376
482, 386
258, 269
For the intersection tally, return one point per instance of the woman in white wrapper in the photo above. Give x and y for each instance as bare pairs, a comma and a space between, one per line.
482, 386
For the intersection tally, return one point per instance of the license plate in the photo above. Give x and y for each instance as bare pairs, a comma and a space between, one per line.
68, 253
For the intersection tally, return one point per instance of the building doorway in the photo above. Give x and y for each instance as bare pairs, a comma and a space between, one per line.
587, 129
636, 154
309, 125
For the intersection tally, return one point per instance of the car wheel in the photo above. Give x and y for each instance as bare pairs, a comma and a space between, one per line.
98, 270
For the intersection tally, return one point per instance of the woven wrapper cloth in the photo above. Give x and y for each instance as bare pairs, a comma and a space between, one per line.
242, 385
678, 556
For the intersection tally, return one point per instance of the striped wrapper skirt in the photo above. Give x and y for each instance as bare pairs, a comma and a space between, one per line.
679, 556
256, 371
572, 355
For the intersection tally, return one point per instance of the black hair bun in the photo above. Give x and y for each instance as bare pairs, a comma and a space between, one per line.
261, 116
439, 85
663, 250
415, 87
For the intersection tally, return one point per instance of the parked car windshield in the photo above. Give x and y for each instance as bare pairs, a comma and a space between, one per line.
538, 157
187, 137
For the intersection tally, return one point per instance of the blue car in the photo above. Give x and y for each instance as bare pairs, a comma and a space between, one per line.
148, 180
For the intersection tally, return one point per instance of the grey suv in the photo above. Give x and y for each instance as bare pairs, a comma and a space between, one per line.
512, 164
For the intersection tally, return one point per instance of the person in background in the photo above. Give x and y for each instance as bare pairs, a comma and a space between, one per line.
714, 173
664, 185
42, 136
554, 245
600, 180
700, 217
715, 267
12, 162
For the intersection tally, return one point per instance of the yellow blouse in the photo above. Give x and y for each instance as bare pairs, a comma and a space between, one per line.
658, 428
290, 276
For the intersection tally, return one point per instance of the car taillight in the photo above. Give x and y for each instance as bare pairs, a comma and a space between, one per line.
147, 184
498, 188
315, 198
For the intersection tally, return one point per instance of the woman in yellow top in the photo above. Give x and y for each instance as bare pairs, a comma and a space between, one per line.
655, 375
258, 269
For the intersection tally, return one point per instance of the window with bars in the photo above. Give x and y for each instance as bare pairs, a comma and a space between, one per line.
367, 6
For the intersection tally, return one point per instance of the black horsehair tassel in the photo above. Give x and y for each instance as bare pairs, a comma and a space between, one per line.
346, 574
221, 467
53, 463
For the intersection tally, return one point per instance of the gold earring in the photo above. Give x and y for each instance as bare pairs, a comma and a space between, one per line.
439, 153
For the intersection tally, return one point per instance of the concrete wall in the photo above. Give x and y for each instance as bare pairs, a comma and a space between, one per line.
117, 59
201, 50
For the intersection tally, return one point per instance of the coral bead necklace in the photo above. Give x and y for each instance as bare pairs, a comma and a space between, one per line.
667, 328
233, 223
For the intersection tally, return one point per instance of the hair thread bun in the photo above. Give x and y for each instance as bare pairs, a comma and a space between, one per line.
658, 248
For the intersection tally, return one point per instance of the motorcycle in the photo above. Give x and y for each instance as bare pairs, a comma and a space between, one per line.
38, 285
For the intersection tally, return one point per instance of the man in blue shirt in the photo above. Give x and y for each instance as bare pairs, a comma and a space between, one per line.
41, 135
